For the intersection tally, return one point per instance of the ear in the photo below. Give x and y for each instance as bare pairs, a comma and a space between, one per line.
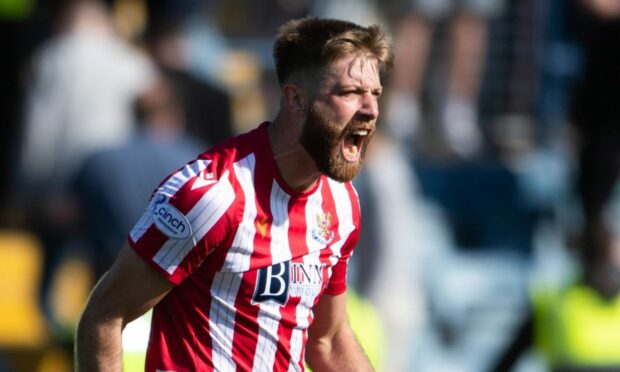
294, 98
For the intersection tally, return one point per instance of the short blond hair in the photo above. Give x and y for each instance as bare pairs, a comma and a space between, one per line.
311, 44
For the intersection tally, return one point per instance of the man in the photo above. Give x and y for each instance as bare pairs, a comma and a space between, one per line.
160, 145
243, 252
468, 22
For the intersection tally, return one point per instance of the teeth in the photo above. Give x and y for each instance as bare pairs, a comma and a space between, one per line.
360, 132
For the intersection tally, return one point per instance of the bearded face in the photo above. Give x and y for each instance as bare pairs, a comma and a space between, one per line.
338, 151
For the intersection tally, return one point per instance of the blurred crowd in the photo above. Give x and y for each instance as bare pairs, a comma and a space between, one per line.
490, 199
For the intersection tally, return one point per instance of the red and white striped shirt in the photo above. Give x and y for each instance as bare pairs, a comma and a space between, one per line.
250, 258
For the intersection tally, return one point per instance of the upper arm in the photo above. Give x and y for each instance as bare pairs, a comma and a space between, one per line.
189, 215
128, 290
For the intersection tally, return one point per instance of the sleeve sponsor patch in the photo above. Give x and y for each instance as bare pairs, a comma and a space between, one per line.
169, 220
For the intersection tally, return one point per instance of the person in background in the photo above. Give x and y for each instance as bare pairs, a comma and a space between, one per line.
458, 119
595, 115
84, 81
206, 106
576, 325
78, 100
160, 145
574, 322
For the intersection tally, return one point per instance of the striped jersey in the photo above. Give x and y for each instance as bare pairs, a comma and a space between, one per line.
250, 257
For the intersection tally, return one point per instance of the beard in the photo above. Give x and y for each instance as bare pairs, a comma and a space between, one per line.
323, 140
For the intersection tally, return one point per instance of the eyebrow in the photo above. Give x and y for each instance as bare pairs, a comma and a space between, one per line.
357, 87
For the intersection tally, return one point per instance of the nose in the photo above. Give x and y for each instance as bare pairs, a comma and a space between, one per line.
370, 106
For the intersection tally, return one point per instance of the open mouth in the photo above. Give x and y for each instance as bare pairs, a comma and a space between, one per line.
352, 144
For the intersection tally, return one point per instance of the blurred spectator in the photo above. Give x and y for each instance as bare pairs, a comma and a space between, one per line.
83, 82
206, 107
78, 100
160, 146
458, 118
398, 233
596, 116
574, 321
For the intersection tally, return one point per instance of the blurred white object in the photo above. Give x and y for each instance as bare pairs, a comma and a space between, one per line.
81, 94
459, 123
409, 231
403, 116
476, 300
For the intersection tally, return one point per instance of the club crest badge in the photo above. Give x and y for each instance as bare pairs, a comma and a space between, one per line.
321, 232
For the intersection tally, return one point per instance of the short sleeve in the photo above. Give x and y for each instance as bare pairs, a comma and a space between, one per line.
338, 280
185, 220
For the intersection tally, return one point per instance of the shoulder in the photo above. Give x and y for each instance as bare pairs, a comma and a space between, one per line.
235, 150
345, 195
217, 165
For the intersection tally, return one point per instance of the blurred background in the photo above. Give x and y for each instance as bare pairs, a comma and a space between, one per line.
490, 201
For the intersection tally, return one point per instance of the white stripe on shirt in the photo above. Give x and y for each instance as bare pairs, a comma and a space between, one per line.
202, 217
226, 284
169, 188
269, 314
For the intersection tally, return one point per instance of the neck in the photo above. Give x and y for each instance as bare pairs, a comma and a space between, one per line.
295, 165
